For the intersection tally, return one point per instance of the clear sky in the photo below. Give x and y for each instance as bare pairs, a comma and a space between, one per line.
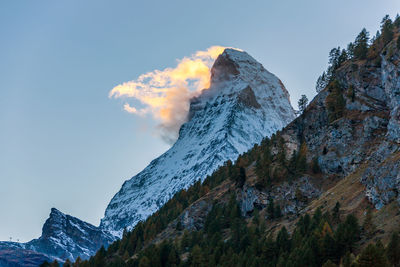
65, 144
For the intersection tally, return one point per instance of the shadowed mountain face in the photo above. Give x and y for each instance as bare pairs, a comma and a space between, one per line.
244, 104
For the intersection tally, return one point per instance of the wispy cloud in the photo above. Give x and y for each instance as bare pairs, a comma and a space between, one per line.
165, 94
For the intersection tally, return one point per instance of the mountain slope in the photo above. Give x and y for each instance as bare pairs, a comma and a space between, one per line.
244, 104
339, 160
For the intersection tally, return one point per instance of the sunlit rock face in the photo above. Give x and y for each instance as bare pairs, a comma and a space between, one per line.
243, 104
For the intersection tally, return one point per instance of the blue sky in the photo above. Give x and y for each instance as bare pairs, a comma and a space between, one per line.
65, 144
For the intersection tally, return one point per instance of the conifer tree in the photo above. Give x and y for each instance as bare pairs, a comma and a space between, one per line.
67, 263
393, 250
368, 225
270, 208
386, 29
277, 211
315, 166
350, 50
322, 82
372, 255
144, 262
396, 22
336, 212
77, 262
196, 257
347, 260
302, 103
361, 45
282, 240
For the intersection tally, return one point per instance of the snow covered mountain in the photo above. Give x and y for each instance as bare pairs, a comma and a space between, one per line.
63, 237
244, 103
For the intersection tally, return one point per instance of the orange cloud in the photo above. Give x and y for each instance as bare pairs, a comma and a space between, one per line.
165, 94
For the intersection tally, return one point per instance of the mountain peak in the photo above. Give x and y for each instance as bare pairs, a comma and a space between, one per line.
228, 64
55, 212
243, 104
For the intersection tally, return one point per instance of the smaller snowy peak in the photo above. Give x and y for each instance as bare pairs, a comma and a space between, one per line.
63, 237
54, 223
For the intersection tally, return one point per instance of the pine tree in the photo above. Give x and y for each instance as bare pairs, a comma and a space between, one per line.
343, 57
301, 163
334, 60
277, 211
173, 257
196, 257
315, 166
322, 82
361, 45
393, 250
386, 29
347, 234
368, 225
77, 262
282, 240
302, 103
67, 263
350, 50
336, 213
99, 258
335, 101
270, 208
242, 177
179, 226
144, 262
398, 42
372, 256
329, 247
348, 259
396, 22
